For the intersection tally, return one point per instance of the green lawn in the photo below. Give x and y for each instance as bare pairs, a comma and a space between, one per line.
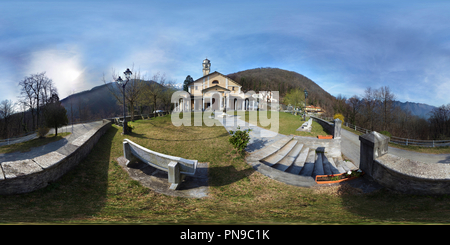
288, 123
98, 190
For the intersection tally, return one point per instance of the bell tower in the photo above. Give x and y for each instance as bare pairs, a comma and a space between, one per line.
206, 66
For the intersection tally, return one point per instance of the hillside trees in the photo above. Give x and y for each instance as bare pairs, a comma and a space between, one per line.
376, 110
440, 122
295, 97
6, 111
274, 79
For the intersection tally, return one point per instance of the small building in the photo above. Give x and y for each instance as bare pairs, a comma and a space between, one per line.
313, 109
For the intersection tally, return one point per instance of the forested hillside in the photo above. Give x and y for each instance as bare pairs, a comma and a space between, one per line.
275, 79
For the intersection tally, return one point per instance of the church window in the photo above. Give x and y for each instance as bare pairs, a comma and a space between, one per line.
215, 82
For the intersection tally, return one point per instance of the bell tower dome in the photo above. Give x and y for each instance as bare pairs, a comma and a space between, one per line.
206, 66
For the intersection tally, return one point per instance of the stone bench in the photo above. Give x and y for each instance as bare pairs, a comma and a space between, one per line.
117, 121
176, 167
307, 124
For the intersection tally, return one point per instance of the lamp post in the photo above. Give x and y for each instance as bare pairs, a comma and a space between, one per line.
119, 80
306, 96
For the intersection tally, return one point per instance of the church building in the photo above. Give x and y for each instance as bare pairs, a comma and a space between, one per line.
215, 91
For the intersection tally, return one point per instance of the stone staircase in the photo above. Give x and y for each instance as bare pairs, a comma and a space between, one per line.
297, 160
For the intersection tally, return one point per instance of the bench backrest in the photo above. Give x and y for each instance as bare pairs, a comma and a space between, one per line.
156, 159
308, 123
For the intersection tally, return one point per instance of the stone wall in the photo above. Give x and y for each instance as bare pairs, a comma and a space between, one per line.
333, 128
28, 175
400, 174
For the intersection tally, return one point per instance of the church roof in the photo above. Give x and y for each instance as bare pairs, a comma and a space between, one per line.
215, 72
214, 87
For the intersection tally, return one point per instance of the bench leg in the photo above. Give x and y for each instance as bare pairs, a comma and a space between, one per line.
127, 154
174, 175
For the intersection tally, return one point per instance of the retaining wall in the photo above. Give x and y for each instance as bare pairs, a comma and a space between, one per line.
28, 175
401, 174
333, 128
410, 176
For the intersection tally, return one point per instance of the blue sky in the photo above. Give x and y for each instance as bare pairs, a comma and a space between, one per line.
343, 46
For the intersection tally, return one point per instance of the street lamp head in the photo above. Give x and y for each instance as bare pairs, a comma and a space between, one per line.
128, 73
119, 80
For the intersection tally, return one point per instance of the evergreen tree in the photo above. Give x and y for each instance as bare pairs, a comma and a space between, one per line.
55, 114
186, 82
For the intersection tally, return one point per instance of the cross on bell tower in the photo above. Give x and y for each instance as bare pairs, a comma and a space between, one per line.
206, 66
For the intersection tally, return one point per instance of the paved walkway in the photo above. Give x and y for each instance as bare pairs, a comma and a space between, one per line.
350, 148
60, 146
259, 137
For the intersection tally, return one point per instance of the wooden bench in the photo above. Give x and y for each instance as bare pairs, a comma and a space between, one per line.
176, 167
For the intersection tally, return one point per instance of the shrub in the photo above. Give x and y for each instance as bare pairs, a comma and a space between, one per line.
340, 116
42, 132
129, 127
239, 139
386, 133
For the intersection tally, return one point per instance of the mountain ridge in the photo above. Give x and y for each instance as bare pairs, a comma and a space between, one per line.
418, 109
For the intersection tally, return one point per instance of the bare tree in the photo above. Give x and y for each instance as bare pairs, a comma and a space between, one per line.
133, 90
355, 103
386, 101
36, 89
369, 107
154, 89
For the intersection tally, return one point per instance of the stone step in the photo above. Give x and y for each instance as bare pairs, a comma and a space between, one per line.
343, 166
280, 154
270, 149
338, 166
289, 159
308, 167
350, 165
299, 162
326, 165
318, 166
333, 167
